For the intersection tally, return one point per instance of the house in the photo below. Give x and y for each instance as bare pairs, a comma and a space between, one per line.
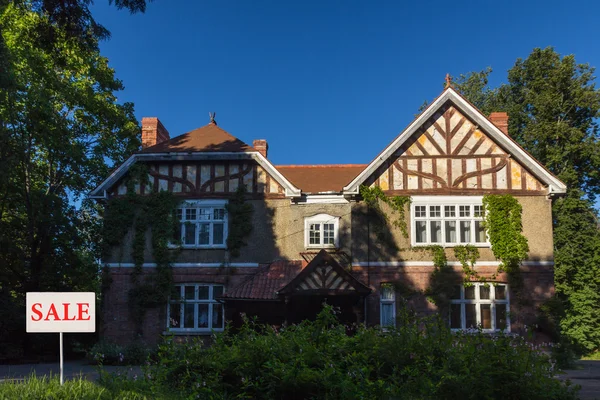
313, 238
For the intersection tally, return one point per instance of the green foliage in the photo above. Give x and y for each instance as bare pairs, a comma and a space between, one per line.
34, 388
240, 214
504, 226
61, 131
108, 353
553, 107
420, 360
577, 271
373, 196
156, 212
468, 255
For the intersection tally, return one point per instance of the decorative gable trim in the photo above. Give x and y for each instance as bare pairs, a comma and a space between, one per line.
450, 95
101, 191
324, 275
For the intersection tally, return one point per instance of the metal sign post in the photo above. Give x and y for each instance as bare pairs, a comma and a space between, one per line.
61, 312
61, 357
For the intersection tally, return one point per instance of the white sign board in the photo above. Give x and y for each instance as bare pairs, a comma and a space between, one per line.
61, 312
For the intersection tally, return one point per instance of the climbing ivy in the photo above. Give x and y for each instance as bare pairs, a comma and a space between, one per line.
155, 212
372, 197
504, 226
467, 255
240, 213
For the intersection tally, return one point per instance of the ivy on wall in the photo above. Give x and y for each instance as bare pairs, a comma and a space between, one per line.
504, 226
503, 223
373, 197
155, 212
240, 213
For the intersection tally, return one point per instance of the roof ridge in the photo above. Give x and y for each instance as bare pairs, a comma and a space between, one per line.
321, 165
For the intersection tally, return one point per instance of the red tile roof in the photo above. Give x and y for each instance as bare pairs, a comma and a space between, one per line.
209, 138
267, 281
320, 178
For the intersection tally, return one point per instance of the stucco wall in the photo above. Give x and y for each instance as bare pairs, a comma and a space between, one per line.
278, 233
537, 227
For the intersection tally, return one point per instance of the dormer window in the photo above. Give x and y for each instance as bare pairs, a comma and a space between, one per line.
321, 231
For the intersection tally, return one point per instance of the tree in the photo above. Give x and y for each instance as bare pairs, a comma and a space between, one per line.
553, 104
61, 130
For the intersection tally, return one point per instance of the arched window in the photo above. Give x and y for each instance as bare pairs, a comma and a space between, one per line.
321, 231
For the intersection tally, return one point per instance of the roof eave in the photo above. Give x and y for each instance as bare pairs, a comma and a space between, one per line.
290, 189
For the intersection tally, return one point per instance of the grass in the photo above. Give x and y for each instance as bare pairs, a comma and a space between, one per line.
594, 356
79, 388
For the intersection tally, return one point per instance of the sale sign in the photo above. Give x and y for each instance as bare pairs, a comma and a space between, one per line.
61, 312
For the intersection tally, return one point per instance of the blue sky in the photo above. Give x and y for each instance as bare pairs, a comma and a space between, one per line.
324, 82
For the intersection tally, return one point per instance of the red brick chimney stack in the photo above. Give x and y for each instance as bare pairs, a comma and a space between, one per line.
262, 146
500, 119
153, 132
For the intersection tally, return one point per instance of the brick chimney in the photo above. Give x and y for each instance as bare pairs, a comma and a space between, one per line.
262, 146
153, 132
500, 119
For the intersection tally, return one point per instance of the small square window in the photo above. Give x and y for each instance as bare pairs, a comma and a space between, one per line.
449, 211
434, 211
420, 211
465, 211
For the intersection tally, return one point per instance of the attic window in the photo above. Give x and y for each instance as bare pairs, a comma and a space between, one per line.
321, 231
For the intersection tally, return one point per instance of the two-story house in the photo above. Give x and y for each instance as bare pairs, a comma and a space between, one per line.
313, 239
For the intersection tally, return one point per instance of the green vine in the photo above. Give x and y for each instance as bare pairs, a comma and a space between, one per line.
240, 213
504, 226
154, 212
373, 197
467, 255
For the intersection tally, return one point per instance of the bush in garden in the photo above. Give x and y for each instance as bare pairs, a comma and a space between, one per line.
422, 359
107, 353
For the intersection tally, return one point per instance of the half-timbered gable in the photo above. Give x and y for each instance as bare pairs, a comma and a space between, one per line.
205, 162
451, 148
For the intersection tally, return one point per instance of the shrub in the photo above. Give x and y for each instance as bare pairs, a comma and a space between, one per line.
107, 353
422, 359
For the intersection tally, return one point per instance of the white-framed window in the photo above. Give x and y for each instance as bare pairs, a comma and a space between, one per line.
193, 308
387, 306
203, 224
448, 221
480, 305
321, 230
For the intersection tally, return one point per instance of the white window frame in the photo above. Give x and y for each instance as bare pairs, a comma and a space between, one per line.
321, 219
477, 301
203, 204
443, 201
385, 301
182, 301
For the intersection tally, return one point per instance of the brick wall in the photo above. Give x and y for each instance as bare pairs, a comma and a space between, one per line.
117, 325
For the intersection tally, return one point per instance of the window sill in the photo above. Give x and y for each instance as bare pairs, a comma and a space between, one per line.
452, 245
313, 247
192, 333
190, 247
